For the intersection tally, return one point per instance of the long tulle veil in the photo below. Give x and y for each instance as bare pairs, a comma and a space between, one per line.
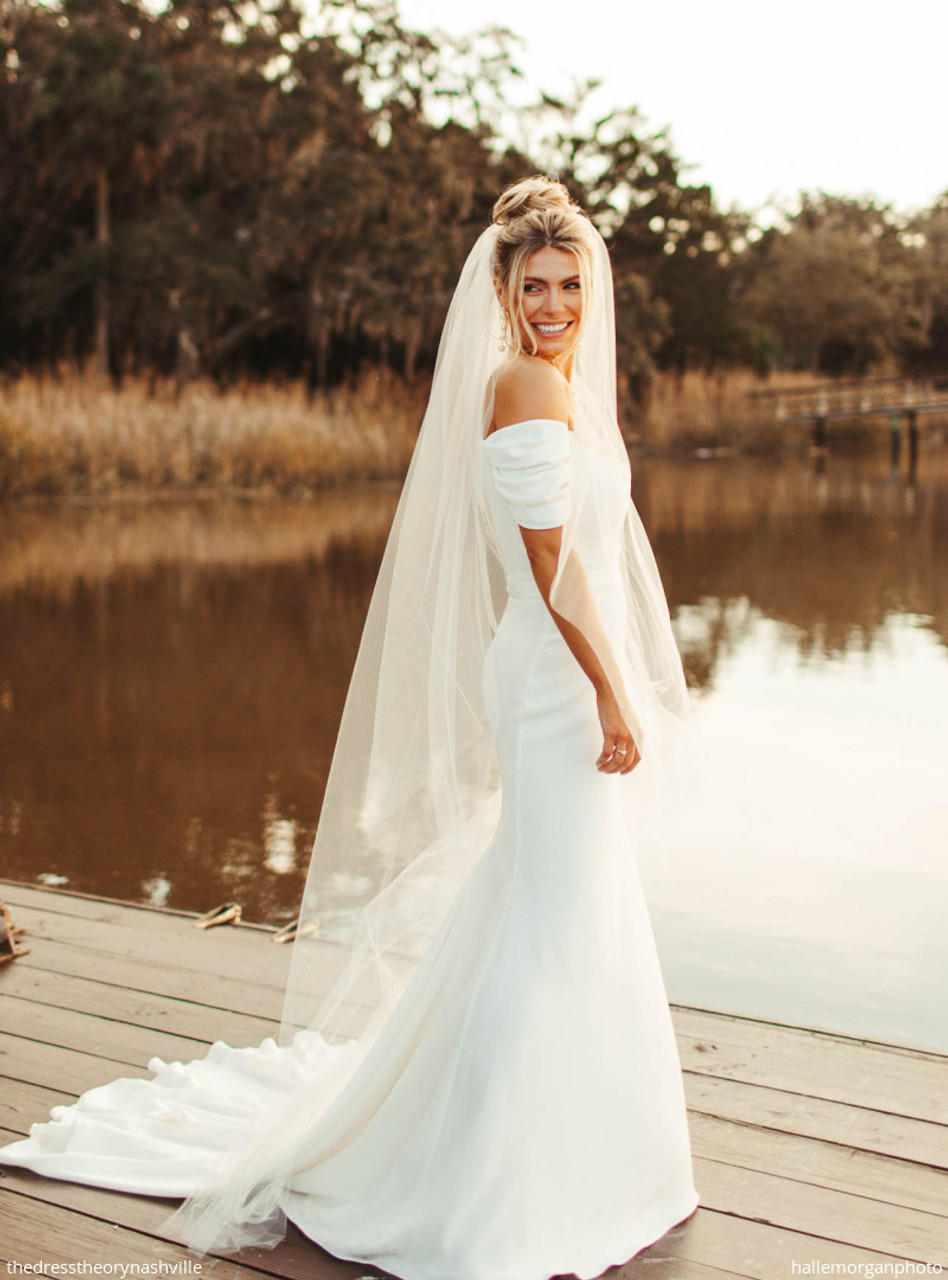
413, 793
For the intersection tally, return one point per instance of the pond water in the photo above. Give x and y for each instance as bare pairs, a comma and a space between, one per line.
172, 675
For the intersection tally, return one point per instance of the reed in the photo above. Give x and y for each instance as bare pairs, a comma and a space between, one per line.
65, 433
696, 409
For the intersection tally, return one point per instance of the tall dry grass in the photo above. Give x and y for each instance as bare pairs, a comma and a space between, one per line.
696, 409
66, 433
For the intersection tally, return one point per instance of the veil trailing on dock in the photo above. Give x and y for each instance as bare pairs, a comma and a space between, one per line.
413, 794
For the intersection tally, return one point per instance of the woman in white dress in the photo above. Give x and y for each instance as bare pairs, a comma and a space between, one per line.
490, 1088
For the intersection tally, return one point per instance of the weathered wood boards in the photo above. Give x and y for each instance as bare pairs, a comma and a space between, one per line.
809, 1148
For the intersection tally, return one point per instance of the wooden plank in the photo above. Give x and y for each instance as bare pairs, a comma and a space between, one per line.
225, 952
653, 1266
720, 1241
859, 1127
8, 1262
213, 985
855, 1219
49, 1066
840, 1167
794, 1131
709, 1034
900, 1081
765, 1198
99, 1037
89, 906
232, 952
237, 949
201, 989
46, 1233
297, 1256
819, 1211
824, 1164
738, 1028
22, 1104
759, 1250
140, 1009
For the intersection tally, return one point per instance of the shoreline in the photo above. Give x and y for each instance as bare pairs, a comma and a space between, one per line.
65, 437
294, 489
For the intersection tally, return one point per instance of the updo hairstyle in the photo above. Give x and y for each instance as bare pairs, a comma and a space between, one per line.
537, 213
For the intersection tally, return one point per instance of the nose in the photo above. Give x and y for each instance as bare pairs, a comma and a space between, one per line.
554, 300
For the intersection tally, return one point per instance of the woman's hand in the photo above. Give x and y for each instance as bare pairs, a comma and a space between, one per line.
619, 752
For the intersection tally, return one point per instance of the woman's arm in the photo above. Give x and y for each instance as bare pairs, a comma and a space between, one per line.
543, 551
531, 388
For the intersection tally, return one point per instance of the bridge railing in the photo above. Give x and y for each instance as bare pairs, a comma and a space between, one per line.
854, 398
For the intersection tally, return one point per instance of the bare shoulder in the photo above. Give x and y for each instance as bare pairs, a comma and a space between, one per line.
528, 387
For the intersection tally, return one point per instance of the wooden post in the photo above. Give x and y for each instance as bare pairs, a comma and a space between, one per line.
895, 439
913, 445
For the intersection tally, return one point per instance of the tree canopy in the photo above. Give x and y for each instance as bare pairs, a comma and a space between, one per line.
219, 187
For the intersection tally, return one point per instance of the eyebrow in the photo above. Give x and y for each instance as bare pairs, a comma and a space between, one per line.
543, 279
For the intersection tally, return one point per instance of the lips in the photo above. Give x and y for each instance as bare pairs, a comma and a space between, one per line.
552, 330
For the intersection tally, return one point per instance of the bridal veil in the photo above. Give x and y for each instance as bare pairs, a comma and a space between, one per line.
412, 797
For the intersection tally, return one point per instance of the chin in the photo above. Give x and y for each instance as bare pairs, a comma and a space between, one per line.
556, 351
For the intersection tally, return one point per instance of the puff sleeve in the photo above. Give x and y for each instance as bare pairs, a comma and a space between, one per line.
531, 463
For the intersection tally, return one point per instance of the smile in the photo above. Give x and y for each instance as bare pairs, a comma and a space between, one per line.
552, 328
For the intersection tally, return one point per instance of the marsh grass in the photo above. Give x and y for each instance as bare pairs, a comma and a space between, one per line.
695, 409
65, 433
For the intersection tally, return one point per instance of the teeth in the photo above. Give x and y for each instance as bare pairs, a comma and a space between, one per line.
551, 328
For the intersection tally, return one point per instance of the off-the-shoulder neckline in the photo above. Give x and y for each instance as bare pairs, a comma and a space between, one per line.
527, 422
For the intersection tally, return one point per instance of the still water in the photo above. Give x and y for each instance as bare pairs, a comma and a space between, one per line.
172, 674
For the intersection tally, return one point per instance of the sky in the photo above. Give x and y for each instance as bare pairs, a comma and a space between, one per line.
766, 99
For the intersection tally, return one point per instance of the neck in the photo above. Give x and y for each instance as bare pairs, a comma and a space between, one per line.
563, 363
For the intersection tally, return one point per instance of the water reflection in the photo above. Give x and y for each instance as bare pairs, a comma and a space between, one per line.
171, 679
809, 874
832, 555
175, 678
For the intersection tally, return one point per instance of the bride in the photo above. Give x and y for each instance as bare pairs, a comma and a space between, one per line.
477, 1076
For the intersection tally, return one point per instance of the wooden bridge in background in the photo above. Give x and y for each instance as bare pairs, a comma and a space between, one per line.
902, 401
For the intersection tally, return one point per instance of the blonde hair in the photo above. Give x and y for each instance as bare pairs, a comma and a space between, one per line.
537, 213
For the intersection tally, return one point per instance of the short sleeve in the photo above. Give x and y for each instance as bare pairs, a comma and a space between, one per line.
531, 463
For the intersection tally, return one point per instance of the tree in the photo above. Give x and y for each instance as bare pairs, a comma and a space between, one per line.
91, 113
926, 233
833, 287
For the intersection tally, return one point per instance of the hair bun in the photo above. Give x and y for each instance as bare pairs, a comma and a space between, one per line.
530, 195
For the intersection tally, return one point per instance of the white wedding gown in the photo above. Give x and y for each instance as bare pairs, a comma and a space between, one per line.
521, 1115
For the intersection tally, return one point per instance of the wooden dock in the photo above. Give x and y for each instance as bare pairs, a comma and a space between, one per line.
810, 1148
903, 402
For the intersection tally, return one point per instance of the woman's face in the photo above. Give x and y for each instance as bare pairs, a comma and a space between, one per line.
552, 302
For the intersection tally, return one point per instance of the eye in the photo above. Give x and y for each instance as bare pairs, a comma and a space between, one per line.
573, 284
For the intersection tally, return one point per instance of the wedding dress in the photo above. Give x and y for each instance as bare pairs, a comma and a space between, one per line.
490, 1089
521, 1113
